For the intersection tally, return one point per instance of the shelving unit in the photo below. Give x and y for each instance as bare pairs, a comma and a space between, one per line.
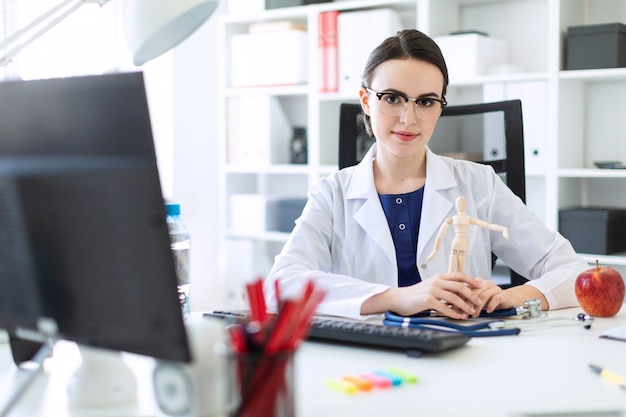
571, 118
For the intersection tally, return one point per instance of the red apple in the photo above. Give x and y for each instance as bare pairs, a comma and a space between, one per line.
600, 291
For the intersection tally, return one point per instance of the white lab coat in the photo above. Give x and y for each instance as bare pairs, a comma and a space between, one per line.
342, 239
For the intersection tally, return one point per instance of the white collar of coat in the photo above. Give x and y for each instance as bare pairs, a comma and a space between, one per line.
439, 174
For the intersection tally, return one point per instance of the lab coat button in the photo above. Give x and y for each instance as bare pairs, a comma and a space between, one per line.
398, 200
401, 226
423, 266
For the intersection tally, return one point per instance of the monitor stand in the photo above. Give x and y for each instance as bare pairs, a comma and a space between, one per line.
102, 380
31, 369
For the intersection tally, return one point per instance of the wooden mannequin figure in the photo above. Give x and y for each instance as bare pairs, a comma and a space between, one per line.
461, 223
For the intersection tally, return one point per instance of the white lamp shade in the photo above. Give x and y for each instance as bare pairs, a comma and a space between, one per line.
153, 27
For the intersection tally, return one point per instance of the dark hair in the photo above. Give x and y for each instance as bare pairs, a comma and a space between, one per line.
409, 43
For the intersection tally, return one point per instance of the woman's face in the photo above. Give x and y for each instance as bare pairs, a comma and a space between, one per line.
407, 133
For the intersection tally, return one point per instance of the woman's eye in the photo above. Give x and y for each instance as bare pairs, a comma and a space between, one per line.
425, 102
392, 98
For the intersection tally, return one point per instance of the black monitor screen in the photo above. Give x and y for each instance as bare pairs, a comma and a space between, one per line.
83, 237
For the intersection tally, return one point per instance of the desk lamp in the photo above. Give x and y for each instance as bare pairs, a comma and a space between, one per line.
152, 27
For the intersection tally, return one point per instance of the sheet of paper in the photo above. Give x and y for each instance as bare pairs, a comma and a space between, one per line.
616, 333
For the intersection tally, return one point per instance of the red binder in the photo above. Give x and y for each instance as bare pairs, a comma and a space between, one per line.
328, 51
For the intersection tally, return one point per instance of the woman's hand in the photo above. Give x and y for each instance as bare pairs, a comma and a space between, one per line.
495, 298
454, 295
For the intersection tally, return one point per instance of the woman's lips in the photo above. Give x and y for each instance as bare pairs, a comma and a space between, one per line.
405, 136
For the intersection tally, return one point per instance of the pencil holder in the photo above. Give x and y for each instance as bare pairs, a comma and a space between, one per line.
261, 384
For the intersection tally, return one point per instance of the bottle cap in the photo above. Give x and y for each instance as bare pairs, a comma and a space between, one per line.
172, 209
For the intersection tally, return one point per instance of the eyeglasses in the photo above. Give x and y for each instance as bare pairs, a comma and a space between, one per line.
394, 104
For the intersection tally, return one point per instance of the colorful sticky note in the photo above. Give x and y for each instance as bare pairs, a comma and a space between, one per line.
377, 380
406, 376
394, 379
341, 385
360, 383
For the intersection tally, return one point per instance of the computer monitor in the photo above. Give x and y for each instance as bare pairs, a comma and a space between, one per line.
84, 246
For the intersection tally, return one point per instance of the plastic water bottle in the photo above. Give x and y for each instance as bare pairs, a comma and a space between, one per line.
181, 244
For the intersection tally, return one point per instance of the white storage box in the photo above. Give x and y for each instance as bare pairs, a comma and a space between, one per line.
258, 131
251, 213
355, 44
243, 7
471, 54
272, 58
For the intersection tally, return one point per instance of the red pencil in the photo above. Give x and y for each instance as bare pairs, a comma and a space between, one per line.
253, 301
278, 295
262, 304
280, 331
304, 321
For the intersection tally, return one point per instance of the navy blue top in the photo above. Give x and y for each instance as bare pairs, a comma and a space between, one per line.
403, 213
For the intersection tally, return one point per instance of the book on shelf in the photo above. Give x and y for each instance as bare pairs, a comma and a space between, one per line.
328, 52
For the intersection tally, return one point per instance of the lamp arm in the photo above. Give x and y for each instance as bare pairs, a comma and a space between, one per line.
39, 21
12, 38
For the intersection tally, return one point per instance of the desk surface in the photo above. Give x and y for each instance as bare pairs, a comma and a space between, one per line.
538, 373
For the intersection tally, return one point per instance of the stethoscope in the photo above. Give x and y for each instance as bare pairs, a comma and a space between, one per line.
532, 318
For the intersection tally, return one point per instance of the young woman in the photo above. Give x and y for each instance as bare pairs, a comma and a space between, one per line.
367, 231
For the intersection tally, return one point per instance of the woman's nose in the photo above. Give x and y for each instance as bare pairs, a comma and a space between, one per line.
409, 114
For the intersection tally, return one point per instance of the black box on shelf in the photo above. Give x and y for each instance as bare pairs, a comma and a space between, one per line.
596, 230
275, 4
596, 46
288, 211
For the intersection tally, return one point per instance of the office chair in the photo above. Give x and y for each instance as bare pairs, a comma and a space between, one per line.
489, 133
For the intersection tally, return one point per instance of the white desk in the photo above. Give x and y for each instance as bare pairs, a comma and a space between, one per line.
534, 374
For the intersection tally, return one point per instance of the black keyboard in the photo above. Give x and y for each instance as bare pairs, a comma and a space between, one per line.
344, 331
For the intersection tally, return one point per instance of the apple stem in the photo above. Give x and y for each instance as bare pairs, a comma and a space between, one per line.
597, 265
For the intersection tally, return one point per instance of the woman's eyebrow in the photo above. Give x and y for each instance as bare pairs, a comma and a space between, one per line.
402, 93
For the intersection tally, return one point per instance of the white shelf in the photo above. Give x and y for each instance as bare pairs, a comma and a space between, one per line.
278, 169
303, 12
599, 75
260, 236
615, 259
503, 78
592, 173
295, 90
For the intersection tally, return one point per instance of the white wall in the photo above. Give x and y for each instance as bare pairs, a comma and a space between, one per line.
195, 159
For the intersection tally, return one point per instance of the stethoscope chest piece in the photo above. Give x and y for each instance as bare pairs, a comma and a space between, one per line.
531, 309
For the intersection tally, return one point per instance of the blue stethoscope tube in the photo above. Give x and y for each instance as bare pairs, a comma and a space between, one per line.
496, 313
482, 329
